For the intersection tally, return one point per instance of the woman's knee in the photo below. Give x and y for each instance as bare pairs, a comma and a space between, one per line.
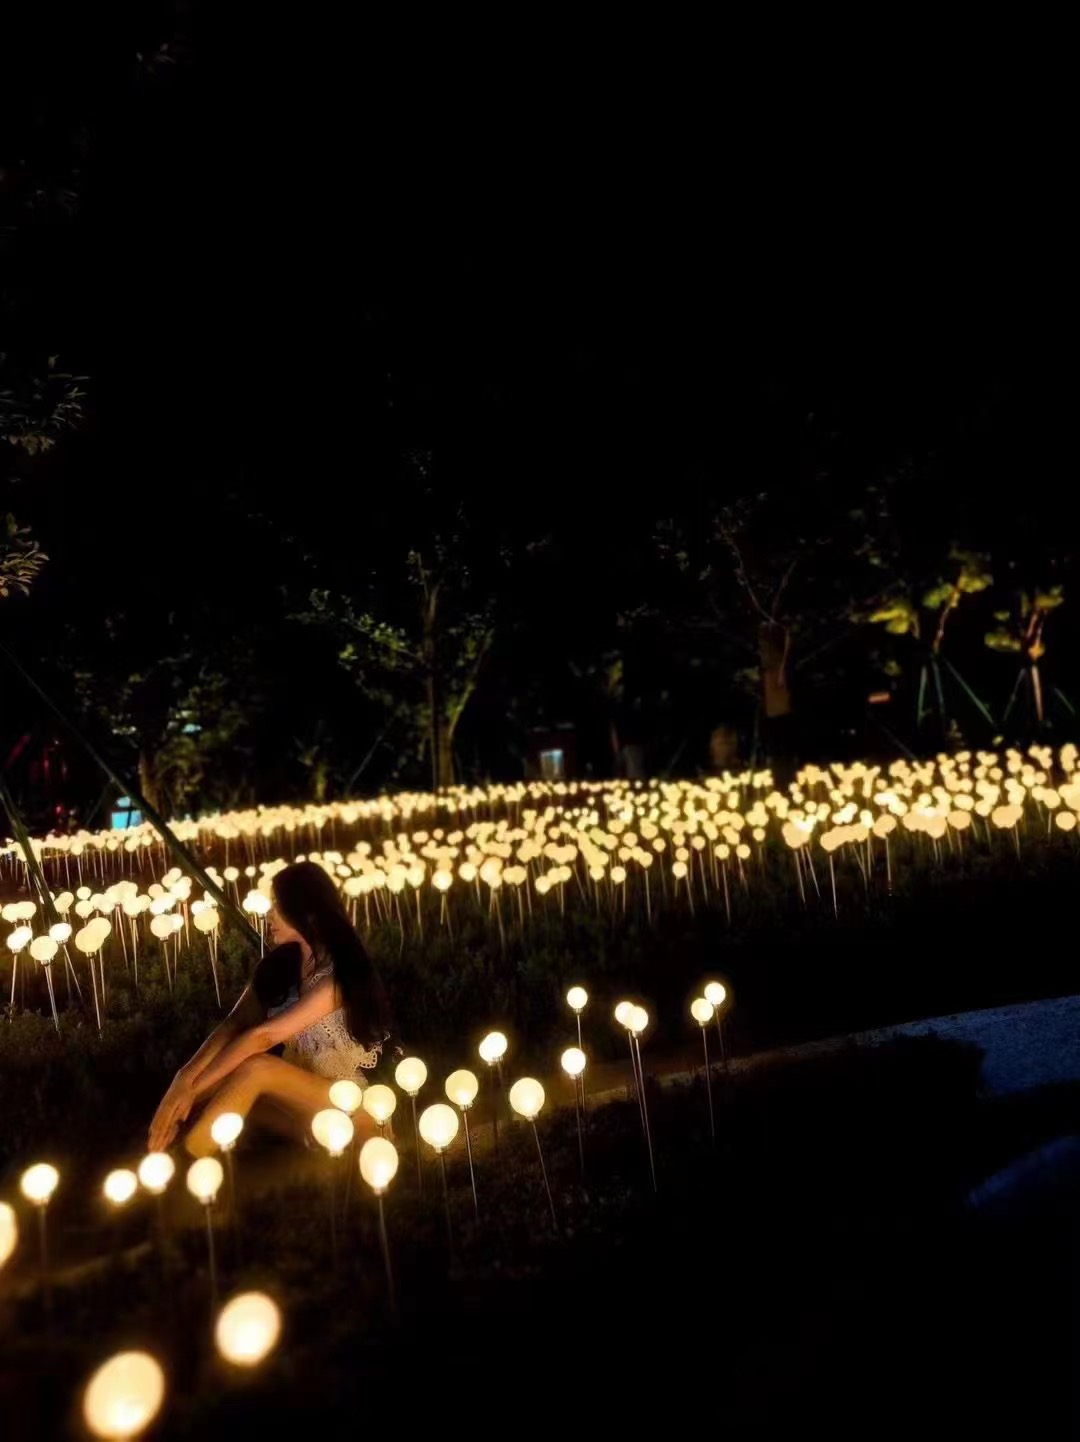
253, 1071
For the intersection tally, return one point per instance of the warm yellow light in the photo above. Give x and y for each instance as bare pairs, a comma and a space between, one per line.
493, 1047
61, 932
380, 1103
226, 1128
38, 1183
378, 1163
256, 903
124, 1395
346, 1096
623, 1013
701, 1010
204, 1179
715, 993
410, 1075
120, 1186
438, 1125
639, 1020
573, 1061
332, 1129
527, 1097
461, 1088
576, 998
9, 1231
43, 949
156, 1171
248, 1328
20, 937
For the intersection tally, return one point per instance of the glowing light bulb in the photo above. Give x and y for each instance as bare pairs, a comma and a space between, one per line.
410, 1075
702, 1011
623, 1013
120, 1186
438, 1125
639, 1020
124, 1395
378, 1163
577, 998
715, 993
332, 1129
225, 1130
248, 1328
156, 1172
493, 1047
9, 1231
461, 1088
527, 1097
573, 1061
38, 1183
347, 1096
380, 1103
204, 1179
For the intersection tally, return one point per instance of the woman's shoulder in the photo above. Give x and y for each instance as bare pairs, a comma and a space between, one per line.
277, 972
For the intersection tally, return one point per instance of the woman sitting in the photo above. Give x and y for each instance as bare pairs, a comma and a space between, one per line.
317, 992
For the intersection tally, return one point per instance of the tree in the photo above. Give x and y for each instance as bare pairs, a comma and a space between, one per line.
417, 638
1021, 630
773, 579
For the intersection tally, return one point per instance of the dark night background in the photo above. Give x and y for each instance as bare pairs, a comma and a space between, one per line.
324, 326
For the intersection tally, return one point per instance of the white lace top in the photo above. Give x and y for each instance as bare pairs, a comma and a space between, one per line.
326, 1047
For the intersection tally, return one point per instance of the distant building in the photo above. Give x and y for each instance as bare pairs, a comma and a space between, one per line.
551, 754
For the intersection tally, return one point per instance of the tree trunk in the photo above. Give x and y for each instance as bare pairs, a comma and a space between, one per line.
148, 780
773, 654
445, 768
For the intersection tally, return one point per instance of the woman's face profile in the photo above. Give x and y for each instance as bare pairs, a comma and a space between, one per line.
280, 930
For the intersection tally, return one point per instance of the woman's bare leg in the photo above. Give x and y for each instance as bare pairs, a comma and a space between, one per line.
299, 1093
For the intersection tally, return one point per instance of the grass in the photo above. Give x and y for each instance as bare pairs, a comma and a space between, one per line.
819, 1263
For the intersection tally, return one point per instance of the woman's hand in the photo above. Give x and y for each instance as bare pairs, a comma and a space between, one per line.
173, 1112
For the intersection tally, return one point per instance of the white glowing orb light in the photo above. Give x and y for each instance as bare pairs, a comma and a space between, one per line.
623, 1012
9, 1232
332, 1129
715, 993
573, 1061
225, 1130
256, 903
346, 1096
438, 1126
702, 1011
577, 998
204, 1179
410, 1075
38, 1183
60, 932
527, 1097
378, 1163
380, 1103
462, 1087
19, 938
120, 1186
156, 1171
43, 949
124, 1395
639, 1020
248, 1328
493, 1047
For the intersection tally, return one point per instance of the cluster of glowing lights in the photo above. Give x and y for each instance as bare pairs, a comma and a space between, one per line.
515, 852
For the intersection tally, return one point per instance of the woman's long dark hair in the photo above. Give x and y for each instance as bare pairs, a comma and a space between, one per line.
309, 901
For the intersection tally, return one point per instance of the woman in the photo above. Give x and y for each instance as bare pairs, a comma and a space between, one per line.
317, 992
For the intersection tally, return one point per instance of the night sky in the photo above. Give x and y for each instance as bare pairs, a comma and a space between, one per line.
284, 288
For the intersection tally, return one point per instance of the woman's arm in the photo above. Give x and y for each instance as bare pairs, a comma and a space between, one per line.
180, 1097
320, 1001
